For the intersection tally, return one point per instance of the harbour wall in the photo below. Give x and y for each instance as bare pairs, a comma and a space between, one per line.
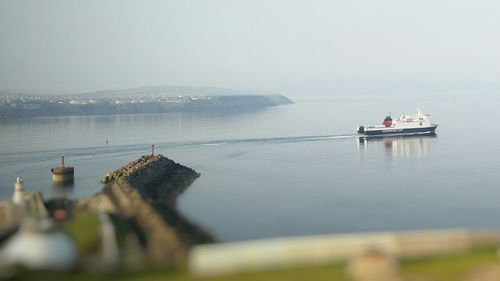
292, 252
146, 191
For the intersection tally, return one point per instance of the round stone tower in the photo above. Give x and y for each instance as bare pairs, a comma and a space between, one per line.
63, 174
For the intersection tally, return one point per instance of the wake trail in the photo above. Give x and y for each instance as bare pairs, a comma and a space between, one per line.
90, 153
285, 139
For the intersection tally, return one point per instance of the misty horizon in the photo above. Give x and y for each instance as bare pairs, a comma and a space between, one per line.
286, 47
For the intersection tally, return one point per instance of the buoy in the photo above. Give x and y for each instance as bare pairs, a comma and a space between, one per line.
63, 174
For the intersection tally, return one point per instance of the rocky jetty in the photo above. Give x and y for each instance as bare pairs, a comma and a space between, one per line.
145, 191
150, 168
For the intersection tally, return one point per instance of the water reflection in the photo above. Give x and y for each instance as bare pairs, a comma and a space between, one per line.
58, 133
408, 147
63, 185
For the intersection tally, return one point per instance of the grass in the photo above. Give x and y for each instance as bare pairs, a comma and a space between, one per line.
84, 230
450, 267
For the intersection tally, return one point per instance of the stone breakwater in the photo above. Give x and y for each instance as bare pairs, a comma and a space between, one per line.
157, 178
145, 192
145, 164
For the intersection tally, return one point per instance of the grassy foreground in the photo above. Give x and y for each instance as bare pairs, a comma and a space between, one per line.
440, 268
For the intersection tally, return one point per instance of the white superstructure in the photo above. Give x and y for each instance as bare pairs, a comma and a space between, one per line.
406, 124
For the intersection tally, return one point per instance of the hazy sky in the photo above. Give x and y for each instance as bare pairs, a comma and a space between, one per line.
292, 47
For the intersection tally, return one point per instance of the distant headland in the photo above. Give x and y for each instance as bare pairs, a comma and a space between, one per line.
152, 99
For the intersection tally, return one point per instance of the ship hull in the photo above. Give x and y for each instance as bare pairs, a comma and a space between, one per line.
400, 131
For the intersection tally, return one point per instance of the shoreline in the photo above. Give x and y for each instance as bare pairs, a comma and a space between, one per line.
29, 107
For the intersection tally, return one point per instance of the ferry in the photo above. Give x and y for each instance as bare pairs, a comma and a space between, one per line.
405, 125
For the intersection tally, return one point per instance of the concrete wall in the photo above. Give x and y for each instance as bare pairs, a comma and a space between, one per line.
325, 249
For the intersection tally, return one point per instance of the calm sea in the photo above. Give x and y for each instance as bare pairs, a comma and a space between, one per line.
288, 170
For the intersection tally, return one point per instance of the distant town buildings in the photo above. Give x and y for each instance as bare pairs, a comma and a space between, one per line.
30, 101
12, 107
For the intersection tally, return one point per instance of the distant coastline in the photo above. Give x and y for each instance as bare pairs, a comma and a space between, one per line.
159, 99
